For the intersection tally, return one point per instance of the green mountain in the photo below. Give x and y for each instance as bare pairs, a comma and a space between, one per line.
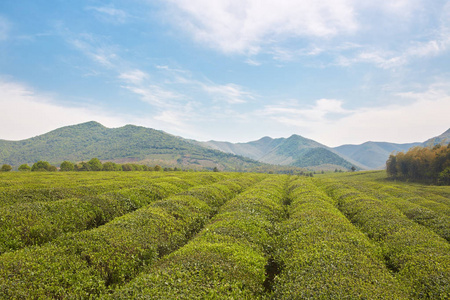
125, 144
293, 151
375, 154
372, 154
442, 139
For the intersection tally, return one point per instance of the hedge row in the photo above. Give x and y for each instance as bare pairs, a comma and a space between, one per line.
325, 256
87, 185
35, 223
437, 222
413, 197
227, 259
419, 258
93, 262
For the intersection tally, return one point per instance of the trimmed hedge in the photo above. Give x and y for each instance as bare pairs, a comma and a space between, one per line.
325, 256
437, 222
419, 258
111, 254
227, 259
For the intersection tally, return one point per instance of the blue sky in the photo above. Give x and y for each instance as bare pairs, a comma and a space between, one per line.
336, 71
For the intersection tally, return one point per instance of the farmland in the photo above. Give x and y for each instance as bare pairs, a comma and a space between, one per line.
196, 235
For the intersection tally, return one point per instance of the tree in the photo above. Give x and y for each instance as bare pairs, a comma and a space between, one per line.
391, 166
157, 168
6, 168
82, 166
66, 166
215, 169
41, 166
127, 167
95, 164
24, 168
109, 166
444, 177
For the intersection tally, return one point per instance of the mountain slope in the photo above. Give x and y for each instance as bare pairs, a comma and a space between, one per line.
442, 139
375, 154
372, 154
293, 151
128, 143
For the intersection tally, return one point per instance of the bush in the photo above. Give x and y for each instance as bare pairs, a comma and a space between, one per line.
6, 168
24, 168
419, 257
324, 256
42, 166
66, 166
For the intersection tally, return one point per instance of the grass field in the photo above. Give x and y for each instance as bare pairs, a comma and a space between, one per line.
181, 235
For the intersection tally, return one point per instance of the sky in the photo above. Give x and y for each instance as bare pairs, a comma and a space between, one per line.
335, 71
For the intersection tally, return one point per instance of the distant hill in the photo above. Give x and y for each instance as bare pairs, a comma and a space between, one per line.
373, 154
293, 151
125, 144
144, 145
442, 139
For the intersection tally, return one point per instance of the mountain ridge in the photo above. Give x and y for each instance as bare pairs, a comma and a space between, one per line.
140, 144
132, 143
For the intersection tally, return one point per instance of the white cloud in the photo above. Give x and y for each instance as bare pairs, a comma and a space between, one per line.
134, 76
244, 26
26, 113
110, 14
294, 114
230, 93
424, 116
154, 95
102, 54
4, 28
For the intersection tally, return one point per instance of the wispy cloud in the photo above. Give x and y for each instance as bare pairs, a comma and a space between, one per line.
4, 28
134, 76
412, 121
295, 114
246, 26
293, 29
110, 14
101, 53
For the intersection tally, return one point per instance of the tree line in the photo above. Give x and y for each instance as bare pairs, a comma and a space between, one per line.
92, 165
424, 164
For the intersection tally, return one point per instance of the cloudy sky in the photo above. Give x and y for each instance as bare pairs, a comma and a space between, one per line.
336, 71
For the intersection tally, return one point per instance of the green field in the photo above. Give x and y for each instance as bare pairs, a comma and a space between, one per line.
213, 235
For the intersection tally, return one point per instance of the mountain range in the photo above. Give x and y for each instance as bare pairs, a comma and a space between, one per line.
144, 145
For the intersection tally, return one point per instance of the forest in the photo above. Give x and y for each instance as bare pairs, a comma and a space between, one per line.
429, 164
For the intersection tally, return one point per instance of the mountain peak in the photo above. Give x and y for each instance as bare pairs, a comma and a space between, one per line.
90, 124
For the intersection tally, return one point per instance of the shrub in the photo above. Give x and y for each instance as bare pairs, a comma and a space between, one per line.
6, 168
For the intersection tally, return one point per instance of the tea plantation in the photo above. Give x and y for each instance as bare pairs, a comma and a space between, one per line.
211, 235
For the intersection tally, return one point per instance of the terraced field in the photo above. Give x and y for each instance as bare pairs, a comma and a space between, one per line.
158, 235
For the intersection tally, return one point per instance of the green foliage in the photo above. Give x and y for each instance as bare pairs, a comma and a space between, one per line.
420, 164
110, 166
444, 177
192, 235
43, 166
419, 257
227, 260
95, 164
115, 252
132, 143
6, 168
324, 256
66, 166
24, 168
